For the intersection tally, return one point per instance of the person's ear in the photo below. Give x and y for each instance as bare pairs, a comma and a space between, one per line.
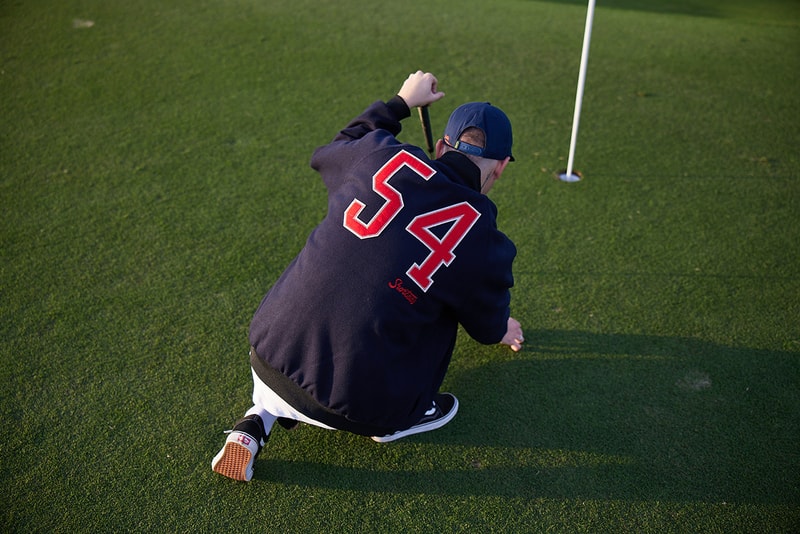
501, 166
440, 146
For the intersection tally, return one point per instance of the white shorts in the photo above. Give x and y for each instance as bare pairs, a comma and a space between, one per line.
266, 400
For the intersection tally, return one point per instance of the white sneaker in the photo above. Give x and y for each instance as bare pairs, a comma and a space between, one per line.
236, 458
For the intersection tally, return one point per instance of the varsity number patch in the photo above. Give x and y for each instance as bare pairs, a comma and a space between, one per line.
461, 217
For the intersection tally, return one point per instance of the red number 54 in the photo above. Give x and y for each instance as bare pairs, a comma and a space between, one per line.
460, 216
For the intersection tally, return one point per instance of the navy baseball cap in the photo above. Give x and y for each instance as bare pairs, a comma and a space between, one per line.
494, 123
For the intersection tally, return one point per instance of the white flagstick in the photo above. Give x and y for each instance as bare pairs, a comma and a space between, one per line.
587, 36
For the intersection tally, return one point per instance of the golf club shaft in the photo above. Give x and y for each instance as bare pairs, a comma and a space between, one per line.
587, 36
425, 120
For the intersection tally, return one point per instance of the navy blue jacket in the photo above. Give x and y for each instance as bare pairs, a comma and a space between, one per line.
359, 330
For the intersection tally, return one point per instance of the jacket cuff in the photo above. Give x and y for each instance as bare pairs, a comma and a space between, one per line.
398, 107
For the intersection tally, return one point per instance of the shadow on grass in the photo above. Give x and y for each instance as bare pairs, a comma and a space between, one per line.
605, 416
785, 11
697, 8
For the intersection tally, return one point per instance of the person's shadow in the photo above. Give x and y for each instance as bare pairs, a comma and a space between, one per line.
605, 416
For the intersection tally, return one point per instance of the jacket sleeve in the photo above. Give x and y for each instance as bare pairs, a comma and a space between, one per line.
382, 119
485, 310
379, 116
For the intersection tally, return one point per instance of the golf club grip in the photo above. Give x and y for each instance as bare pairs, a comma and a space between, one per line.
425, 119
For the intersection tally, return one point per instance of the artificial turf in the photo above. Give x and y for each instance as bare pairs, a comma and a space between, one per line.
154, 182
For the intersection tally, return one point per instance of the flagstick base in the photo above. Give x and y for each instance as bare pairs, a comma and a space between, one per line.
574, 176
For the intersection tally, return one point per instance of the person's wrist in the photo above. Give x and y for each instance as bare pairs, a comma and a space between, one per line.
408, 99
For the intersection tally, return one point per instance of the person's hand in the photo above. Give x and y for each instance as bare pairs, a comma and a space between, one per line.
513, 337
420, 89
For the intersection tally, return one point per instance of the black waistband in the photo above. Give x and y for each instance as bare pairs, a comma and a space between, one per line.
306, 404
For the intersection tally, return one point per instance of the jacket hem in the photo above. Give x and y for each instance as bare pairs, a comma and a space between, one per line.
306, 404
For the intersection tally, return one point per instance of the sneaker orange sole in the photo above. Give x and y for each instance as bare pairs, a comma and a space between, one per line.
234, 462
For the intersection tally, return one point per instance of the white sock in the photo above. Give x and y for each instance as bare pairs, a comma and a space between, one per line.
267, 418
